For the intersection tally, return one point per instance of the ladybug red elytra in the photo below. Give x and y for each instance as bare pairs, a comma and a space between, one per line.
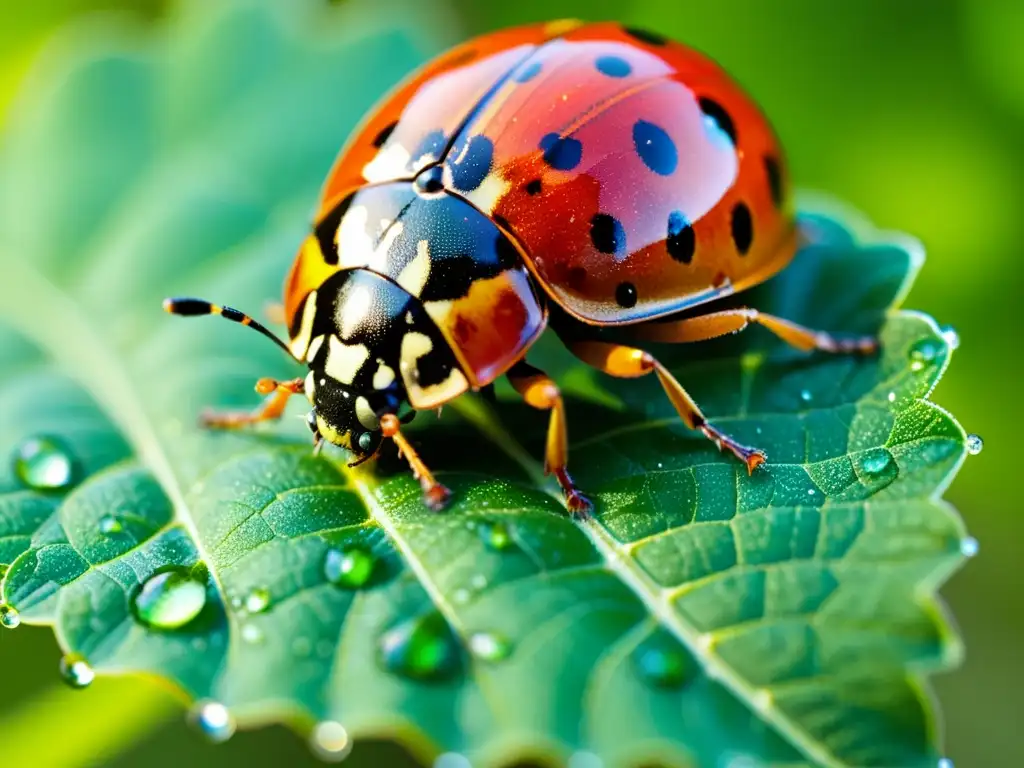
567, 175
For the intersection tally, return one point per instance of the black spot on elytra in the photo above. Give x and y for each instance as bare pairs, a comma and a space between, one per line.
471, 163
533, 187
527, 72
651, 38
742, 228
385, 134
607, 234
717, 112
655, 148
613, 66
774, 174
682, 240
327, 228
625, 295
561, 152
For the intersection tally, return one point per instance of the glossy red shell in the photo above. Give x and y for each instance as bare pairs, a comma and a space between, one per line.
635, 177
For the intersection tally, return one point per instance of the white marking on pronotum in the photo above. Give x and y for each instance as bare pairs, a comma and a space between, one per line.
355, 310
300, 343
365, 414
344, 360
384, 377
314, 348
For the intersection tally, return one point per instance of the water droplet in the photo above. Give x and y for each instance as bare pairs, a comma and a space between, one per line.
878, 468
892, 397
75, 671
9, 617
663, 662
924, 353
489, 646
44, 463
422, 648
951, 337
810, 491
452, 760
330, 741
257, 601
969, 546
944, 762
349, 568
479, 581
213, 720
974, 444
236, 602
252, 634
460, 596
806, 395
496, 535
170, 599
109, 525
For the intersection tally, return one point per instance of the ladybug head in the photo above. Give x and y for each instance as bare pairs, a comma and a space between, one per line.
346, 417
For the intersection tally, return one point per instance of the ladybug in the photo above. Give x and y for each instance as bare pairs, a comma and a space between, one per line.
569, 175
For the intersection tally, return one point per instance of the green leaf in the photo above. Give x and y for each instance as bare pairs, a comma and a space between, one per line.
702, 617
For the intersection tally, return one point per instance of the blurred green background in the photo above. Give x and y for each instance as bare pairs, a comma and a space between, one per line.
910, 110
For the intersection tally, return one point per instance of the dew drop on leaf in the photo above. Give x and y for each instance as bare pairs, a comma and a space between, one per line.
349, 568
421, 648
9, 617
952, 339
460, 596
945, 762
663, 662
252, 634
75, 671
213, 720
877, 468
806, 395
489, 646
974, 444
44, 463
257, 601
170, 599
109, 525
496, 535
330, 741
969, 546
923, 354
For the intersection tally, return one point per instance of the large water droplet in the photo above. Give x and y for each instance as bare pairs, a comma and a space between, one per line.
663, 662
44, 463
969, 546
495, 534
257, 601
974, 444
330, 741
422, 648
75, 671
9, 617
349, 568
110, 525
923, 354
951, 337
170, 599
489, 646
213, 720
877, 468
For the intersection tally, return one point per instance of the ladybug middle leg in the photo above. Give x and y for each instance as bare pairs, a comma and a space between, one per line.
628, 362
542, 393
273, 407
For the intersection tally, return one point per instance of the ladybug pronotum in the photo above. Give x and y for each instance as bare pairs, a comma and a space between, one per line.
566, 175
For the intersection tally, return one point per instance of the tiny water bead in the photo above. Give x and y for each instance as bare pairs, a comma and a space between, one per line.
489, 646
330, 741
257, 601
252, 634
44, 463
170, 600
496, 535
9, 617
974, 444
110, 525
806, 395
662, 662
422, 648
969, 546
349, 568
924, 354
213, 720
75, 671
951, 337
452, 760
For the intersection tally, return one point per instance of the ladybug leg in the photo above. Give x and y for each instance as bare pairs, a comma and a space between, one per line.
278, 393
542, 393
628, 363
715, 324
435, 495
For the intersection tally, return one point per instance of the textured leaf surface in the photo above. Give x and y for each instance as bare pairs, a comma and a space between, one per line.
702, 617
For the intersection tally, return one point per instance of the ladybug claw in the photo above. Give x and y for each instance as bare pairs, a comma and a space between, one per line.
754, 460
436, 497
580, 507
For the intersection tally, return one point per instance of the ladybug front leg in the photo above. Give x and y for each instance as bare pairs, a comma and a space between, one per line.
272, 408
435, 495
715, 324
628, 363
542, 393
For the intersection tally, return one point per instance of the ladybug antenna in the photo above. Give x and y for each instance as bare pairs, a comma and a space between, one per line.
193, 307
